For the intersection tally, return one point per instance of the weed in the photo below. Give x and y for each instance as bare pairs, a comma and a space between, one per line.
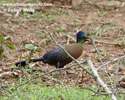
123, 42
103, 53
40, 32
33, 49
4, 44
60, 28
97, 31
33, 19
32, 91
16, 21
54, 73
63, 12
124, 63
41, 17
121, 30
101, 13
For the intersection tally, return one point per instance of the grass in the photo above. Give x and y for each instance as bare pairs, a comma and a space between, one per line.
40, 32
39, 17
4, 44
64, 12
37, 90
101, 13
97, 31
103, 52
60, 28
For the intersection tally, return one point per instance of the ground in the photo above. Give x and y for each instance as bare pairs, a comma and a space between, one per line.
105, 25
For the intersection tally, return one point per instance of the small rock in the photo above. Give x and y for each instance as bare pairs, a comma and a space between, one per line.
76, 3
122, 84
93, 51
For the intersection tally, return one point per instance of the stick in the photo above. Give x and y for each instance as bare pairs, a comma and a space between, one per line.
112, 60
100, 80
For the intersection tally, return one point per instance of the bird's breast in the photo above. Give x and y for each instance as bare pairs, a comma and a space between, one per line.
75, 50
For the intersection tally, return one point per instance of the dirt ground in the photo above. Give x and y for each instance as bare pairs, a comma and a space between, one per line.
105, 25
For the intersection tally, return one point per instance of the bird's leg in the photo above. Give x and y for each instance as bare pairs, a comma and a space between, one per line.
57, 64
59, 70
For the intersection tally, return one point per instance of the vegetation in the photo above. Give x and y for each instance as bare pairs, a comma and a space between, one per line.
37, 91
4, 44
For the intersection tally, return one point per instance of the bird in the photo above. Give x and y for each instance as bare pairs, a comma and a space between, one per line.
58, 57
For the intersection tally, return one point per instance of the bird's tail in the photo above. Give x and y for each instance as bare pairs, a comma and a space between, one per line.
24, 62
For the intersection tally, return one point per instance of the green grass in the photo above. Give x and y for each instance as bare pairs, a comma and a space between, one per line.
101, 13
39, 17
60, 28
97, 31
64, 12
37, 90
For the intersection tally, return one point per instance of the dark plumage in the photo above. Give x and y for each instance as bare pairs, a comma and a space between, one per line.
58, 57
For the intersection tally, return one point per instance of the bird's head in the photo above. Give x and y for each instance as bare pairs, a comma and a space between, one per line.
81, 37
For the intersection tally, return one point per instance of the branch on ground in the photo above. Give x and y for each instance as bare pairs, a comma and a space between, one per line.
99, 80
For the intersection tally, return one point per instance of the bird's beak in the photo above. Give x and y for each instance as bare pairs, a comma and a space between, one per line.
87, 39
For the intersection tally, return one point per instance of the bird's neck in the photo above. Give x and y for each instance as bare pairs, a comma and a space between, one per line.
80, 44
80, 41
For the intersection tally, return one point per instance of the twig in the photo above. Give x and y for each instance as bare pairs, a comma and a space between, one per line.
101, 93
8, 74
106, 3
30, 55
100, 58
94, 45
100, 80
103, 23
55, 80
5, 13
69, 7
109, 43
102, 42
71, 37
116, 76
112, 60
